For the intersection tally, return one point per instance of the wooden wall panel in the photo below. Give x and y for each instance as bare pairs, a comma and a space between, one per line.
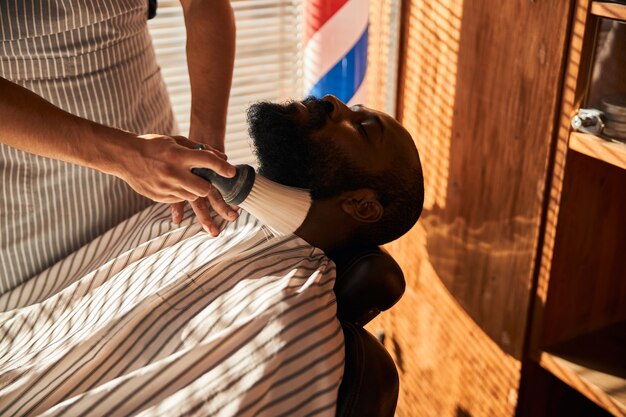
447, 366
479, 92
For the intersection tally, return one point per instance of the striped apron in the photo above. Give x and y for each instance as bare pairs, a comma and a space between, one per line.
94, 59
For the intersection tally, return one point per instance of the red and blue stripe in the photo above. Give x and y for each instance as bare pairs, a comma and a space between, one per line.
335, 54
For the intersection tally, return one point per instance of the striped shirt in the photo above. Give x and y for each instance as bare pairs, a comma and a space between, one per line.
93, 59
152, 319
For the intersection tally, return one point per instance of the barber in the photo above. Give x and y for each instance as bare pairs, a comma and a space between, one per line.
79, 83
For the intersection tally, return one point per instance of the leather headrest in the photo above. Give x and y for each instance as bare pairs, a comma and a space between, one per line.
370, 382
368, 281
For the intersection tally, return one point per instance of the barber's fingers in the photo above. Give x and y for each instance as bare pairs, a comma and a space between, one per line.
183, 194
207, 159
177, 210
201, 208
183, 153
220, 154
220, 206
194, 184
215, 152
179, 184
181, 140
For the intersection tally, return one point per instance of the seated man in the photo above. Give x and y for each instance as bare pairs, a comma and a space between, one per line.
155, 319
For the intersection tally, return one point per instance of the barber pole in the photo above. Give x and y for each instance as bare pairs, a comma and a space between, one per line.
335, 52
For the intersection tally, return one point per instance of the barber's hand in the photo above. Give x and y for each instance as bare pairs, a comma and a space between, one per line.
162, 172
202, 205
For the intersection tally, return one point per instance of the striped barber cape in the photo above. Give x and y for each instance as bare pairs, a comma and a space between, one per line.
152, 319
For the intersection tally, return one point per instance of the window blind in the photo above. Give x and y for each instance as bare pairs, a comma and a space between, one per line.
267, 62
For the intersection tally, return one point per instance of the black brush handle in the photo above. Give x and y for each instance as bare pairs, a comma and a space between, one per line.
234, 190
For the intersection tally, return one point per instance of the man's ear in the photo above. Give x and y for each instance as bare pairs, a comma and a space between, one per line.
362, 205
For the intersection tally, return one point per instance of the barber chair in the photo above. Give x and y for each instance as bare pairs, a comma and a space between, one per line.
368, 281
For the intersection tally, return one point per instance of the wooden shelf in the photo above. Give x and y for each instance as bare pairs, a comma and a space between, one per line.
595, 365
610, 152
609, 10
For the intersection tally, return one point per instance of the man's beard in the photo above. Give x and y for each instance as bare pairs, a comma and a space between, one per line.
288, 154
285, 150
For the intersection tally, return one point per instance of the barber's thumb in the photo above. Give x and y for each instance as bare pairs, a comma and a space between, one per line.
206, 159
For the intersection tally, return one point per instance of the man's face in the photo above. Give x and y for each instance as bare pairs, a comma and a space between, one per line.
325, 146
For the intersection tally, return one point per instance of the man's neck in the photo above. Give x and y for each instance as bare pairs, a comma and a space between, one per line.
323, 227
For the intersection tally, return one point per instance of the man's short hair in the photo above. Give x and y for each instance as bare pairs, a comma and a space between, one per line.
401, 194
400, 191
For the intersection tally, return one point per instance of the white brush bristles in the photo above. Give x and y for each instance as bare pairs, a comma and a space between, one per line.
281, 208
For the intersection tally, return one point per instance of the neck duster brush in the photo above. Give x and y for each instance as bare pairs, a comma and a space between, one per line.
281, 208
